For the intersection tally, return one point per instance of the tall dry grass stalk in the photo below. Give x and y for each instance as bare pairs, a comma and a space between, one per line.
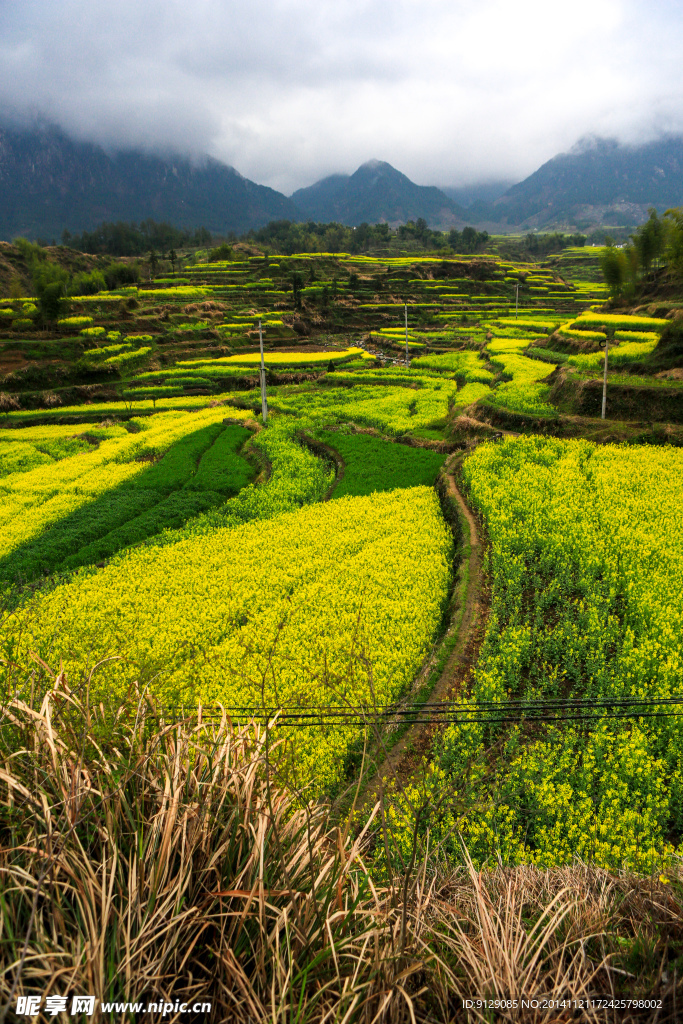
144, 860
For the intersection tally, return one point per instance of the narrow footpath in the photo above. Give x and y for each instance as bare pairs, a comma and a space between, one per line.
464, 636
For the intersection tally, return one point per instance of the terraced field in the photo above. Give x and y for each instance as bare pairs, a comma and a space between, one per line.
158, 534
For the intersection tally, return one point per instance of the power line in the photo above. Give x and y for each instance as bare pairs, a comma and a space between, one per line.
546, 710
468, 705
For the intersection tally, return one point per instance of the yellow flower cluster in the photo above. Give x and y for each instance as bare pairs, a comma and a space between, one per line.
282, 358
335, 603
587, 570
393, 410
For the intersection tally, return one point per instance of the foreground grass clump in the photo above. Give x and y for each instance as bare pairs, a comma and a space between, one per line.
172, 863
333, 604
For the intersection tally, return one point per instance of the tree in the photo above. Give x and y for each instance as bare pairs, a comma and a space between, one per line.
674, 240
173, 256
297, 285
50, 283
51, 301
619, 268
124, 239
649, 241
468, 240
153, 261
220, 253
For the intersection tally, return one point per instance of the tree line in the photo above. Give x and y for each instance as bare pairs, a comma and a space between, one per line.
131, 239
288, 237
655, 245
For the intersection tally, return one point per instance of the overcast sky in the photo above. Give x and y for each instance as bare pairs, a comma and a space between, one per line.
287, 91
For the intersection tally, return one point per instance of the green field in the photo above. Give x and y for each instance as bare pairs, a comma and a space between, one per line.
372, 464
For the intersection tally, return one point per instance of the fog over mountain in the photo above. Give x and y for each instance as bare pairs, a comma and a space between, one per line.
49, 182
292, 91
597, 182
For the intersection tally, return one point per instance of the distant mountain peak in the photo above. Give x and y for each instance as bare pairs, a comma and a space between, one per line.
50, 182
600, 181
592, 144
376, 192
381, 169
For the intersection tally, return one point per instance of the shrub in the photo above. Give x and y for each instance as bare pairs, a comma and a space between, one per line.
222, 252
542, 326
635, 336
153, 393
570, 331
119, 274
88, 284
93, 332
92, 354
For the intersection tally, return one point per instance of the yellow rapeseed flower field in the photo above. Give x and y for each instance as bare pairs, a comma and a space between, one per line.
334, 603
33, 499
586, 563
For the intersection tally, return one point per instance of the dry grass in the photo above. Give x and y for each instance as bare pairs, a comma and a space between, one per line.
165, 861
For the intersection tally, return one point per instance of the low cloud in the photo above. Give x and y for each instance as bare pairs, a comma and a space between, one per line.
290, 90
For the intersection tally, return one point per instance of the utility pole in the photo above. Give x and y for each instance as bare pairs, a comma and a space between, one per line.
604, 380
516, 299
406, 316
264, 400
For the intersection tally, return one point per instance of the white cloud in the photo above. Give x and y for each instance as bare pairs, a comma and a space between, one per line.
288, 90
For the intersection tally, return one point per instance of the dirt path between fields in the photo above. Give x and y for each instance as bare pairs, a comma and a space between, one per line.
465, 633
329, 454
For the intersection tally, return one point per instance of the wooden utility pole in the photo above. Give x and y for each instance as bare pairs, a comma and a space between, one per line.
604, 380
406, 316
264, 400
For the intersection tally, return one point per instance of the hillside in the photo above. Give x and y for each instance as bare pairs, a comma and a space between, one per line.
599, 182
404, 571
48, 183
483, 192
376, 192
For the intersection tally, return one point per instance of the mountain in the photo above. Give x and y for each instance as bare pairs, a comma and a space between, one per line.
466, 195
48, 182
599, 182
376, 192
